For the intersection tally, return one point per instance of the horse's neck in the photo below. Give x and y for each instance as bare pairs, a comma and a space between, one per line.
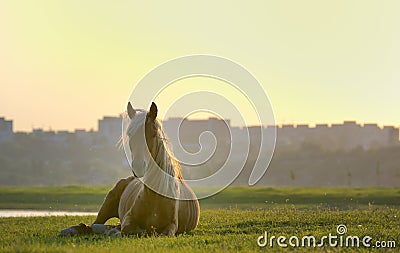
160, 175
163, 159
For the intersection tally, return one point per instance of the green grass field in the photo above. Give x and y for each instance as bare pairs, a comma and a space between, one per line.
230, 221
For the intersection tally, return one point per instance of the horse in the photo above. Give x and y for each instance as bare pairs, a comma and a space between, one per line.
156, 199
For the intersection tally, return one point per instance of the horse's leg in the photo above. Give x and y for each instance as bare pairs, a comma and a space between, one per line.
81, 229
172, 227
109, 208
129, 226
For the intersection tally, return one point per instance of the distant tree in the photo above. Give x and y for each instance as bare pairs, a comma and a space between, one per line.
348, 177
292, 175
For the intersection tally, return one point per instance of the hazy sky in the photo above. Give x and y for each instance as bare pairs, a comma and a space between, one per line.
65, 64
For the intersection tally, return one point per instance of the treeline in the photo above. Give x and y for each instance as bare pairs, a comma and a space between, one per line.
310, 165
30, 160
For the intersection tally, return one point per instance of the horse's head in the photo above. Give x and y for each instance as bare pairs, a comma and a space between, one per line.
142, 132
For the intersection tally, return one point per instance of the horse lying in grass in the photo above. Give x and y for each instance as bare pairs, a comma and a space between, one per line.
155, 200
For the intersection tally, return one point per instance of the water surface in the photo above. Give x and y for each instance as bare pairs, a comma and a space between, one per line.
38, 213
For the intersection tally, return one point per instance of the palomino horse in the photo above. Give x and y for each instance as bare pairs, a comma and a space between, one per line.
156, 199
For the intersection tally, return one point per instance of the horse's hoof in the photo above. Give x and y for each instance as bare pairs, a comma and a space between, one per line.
169, 234
100, 228
81, 229
129, 230
113, 232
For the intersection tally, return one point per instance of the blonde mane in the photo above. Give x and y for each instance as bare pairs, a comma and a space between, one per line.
164, 158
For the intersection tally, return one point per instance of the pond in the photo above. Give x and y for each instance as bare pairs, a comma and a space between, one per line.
37, 213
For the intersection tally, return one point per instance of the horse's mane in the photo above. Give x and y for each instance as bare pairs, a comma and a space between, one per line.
164, 155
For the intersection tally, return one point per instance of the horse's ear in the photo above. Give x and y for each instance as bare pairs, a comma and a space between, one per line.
152, 114
131, 111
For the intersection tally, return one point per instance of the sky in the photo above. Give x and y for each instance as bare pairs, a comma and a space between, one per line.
66, 64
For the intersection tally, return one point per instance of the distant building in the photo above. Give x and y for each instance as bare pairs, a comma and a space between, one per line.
346, 136
190, 130
6, 130
186, 132
110, 128
191, 136
86, 137
392, 134
59, 137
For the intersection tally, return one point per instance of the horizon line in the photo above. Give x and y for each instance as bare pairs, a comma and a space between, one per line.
277, 124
